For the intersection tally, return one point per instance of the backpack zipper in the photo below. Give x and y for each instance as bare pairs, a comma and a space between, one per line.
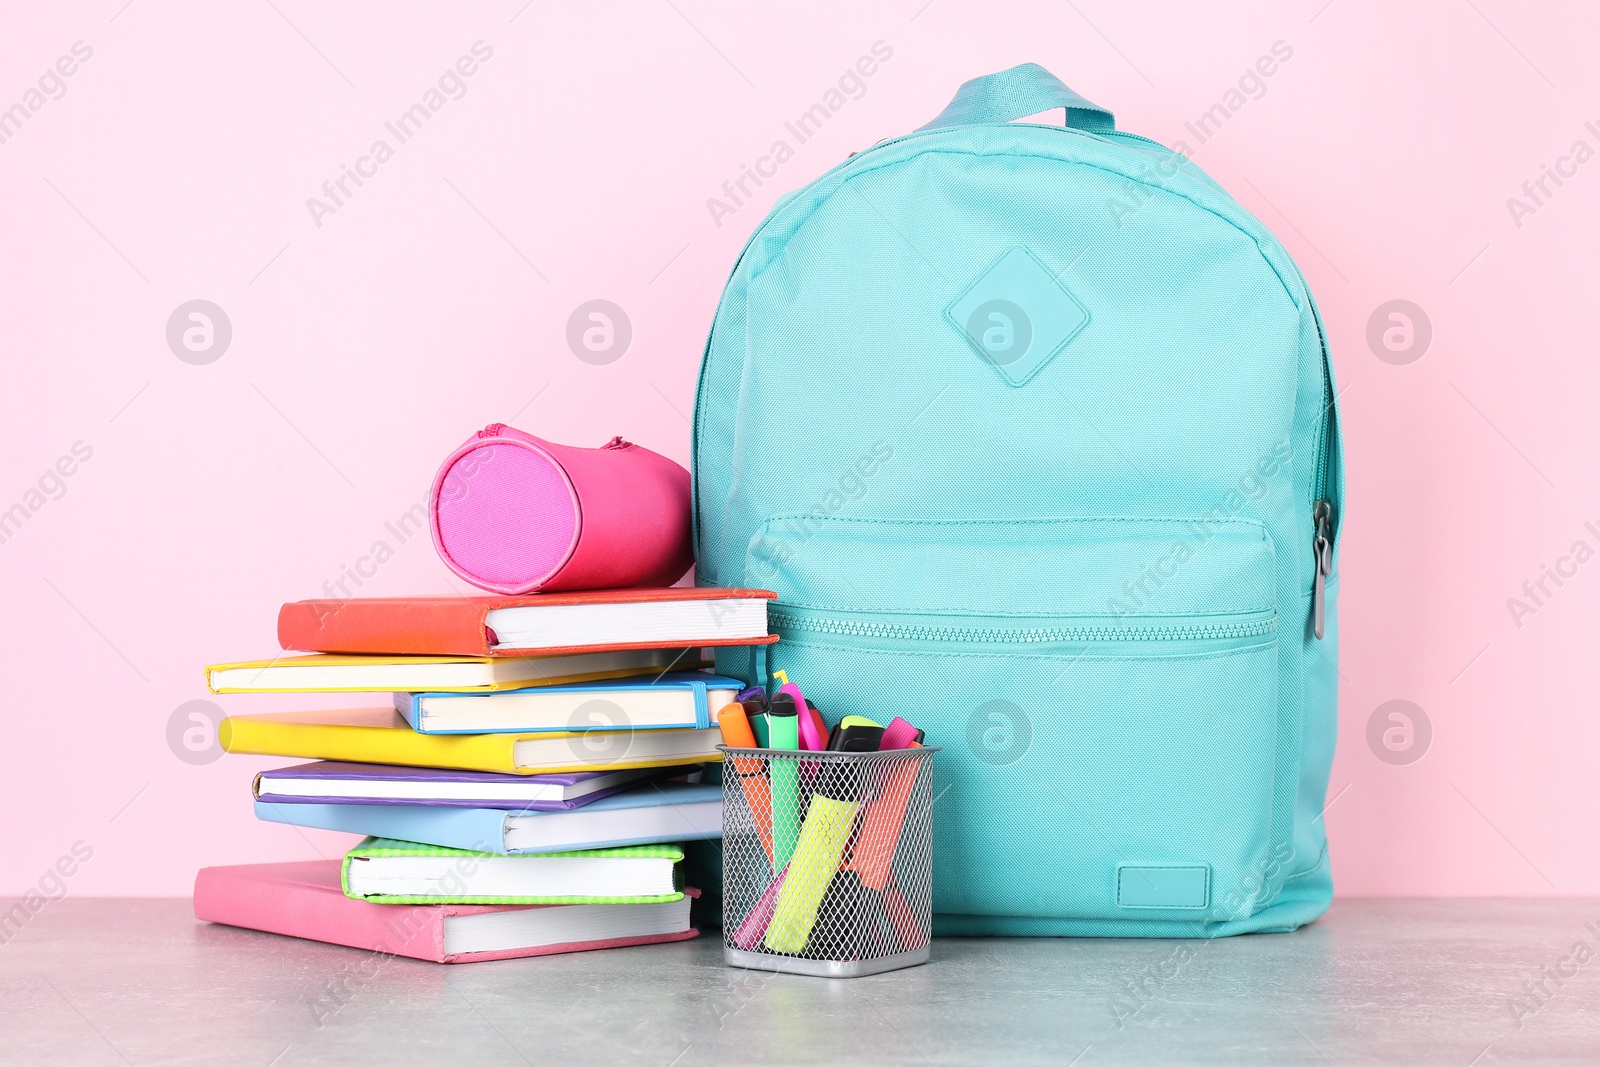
1322, 493
785, 618
1322, 549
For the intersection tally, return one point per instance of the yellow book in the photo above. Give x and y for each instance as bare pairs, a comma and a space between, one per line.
381, 735
323, 673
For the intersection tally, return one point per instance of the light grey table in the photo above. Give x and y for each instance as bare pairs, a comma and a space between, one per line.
1376, 981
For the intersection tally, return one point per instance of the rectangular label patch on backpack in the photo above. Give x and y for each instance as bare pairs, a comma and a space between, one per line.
1152, 886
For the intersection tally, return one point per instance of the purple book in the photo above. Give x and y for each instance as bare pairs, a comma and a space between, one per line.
330, 782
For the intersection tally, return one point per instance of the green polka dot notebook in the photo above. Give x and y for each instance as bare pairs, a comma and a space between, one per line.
400, 872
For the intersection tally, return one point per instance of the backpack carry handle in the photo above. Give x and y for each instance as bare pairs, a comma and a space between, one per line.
1012, 94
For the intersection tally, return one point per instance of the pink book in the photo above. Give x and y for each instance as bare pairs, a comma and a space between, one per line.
305, 900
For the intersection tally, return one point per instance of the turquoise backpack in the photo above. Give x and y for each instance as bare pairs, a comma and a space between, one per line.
1032, 430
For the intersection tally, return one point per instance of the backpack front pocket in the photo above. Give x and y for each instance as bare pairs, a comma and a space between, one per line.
1105, 692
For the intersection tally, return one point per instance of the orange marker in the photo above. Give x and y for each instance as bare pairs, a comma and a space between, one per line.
736, 733
735, 727
758, 794
906, 927
880, 829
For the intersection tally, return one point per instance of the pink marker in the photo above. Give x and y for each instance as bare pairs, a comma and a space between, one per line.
900, 734
813, 734
755, 924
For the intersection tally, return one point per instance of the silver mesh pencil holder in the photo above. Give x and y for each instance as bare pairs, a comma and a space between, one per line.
827, 860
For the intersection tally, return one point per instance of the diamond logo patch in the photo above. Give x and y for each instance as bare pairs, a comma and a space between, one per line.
1017, 316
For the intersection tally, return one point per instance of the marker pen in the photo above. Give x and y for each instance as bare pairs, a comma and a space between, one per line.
901, 734
735, 727
829, 820
755, 711
880, 828
754, 927
856, 733
813, 731
783, 728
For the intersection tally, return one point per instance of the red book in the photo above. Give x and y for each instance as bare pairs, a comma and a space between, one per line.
542, 624
305, 900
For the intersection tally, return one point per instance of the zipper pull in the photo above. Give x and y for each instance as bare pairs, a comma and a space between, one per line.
616, 442
1322, 548
494, 429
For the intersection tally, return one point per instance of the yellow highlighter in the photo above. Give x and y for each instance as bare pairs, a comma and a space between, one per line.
823, 836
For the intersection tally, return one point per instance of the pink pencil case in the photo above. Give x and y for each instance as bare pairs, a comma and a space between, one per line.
515, 514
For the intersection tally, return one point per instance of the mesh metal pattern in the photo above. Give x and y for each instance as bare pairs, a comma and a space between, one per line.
827, 856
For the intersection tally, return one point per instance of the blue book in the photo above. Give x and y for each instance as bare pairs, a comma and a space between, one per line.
681, 699
651, 814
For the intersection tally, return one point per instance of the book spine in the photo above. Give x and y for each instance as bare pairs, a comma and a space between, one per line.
317, 913
474, 829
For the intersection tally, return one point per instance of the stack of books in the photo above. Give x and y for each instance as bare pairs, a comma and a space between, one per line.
526, 788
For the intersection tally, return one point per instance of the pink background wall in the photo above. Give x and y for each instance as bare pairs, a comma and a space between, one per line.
577, 165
